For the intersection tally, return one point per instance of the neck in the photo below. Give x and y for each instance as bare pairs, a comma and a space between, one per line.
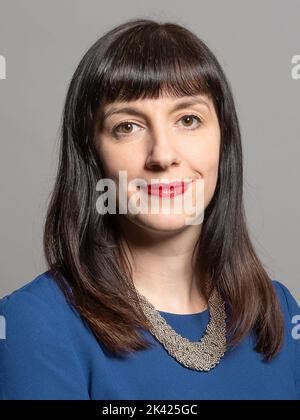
162, 267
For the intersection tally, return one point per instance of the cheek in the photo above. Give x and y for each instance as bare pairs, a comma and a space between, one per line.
204, 160
210, 164
204, 155
115, 158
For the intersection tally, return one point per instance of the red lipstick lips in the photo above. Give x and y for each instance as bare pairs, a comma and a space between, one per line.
168, 190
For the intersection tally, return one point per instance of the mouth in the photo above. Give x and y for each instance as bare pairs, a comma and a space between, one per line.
169, 190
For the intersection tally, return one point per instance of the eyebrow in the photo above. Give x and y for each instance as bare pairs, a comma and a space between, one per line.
132, 111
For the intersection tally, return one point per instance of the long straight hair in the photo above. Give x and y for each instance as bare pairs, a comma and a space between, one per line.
138, 59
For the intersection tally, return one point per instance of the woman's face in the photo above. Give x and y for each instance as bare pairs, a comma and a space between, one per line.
160, 141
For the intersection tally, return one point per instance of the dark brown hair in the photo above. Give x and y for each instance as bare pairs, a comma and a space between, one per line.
140, 59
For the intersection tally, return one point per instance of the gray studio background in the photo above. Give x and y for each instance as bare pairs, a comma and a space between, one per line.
43, 41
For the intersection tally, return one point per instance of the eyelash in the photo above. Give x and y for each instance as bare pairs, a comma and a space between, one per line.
114, 130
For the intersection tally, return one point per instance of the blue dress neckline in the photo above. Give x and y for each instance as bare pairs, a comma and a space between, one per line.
196, 315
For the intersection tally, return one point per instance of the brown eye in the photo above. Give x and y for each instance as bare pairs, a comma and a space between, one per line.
125, 128
189, 121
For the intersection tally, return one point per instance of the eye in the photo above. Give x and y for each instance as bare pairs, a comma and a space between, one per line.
189, 120
125, 125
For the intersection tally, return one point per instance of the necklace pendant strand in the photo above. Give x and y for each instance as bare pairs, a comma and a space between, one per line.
202, 355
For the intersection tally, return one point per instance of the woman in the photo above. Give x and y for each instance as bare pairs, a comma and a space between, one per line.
149, 305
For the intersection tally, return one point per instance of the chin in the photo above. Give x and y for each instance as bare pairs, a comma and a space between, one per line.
162, 222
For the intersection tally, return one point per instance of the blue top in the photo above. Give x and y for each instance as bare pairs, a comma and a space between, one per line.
48, 352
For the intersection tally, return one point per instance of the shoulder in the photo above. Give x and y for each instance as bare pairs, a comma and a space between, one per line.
42, 286
40, 342
288, 302
37, 301
291, 311
40, 309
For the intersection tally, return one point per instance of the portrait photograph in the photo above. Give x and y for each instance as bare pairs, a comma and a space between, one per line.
149, 202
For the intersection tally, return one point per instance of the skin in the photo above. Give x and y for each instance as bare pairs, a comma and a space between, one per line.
160, 144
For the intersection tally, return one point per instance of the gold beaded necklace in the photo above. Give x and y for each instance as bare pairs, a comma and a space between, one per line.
202, 355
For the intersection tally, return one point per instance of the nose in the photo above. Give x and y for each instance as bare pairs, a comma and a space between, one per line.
162, 153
